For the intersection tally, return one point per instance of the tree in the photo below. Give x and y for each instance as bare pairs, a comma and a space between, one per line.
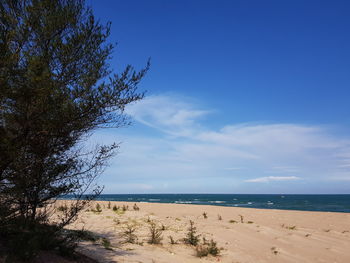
56, 89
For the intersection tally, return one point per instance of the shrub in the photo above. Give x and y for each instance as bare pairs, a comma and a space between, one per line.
205, 215
219, 217
172, 240
129, 234
62, 208
115, 208
98, 208
125, 208
109, 205
232, 221
207, 248
106, 244
135, 207
155, 234
191, 237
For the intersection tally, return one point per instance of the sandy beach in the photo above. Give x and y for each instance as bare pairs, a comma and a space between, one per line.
242, 234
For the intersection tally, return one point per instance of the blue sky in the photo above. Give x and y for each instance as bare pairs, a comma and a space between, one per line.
242, 96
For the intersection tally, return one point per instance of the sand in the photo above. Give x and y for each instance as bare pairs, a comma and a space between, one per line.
261, 236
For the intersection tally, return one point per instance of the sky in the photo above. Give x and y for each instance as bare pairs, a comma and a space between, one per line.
242, 96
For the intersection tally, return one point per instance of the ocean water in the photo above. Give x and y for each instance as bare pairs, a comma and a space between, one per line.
326, 203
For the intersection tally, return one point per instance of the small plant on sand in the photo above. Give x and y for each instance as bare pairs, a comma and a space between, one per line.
155, 234
232, 221
250, 222
129, 234
274, 250
115, 208
163, 228
62, 208
98, 208
219, 217
106, 243
109, 205
136, 208
242, 219
125, 208
191, 237
207, 248
205, 215
172, 240
289, 227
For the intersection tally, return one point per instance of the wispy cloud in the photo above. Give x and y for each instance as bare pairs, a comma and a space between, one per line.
272, 178
185, 148
167, 114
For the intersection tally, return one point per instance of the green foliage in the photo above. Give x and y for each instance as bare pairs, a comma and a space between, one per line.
106, 243
191, 237
25, 245
128, 234
56, 89
155, 234
207, 248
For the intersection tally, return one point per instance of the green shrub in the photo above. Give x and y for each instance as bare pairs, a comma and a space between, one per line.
106, 243
155, 234
129, 234
98, 208
191, 237
207, 248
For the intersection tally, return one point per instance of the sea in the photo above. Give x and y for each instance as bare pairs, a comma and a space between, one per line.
325, 203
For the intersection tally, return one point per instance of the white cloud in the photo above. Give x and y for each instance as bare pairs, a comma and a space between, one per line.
272, 178
194, 151
167, 114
